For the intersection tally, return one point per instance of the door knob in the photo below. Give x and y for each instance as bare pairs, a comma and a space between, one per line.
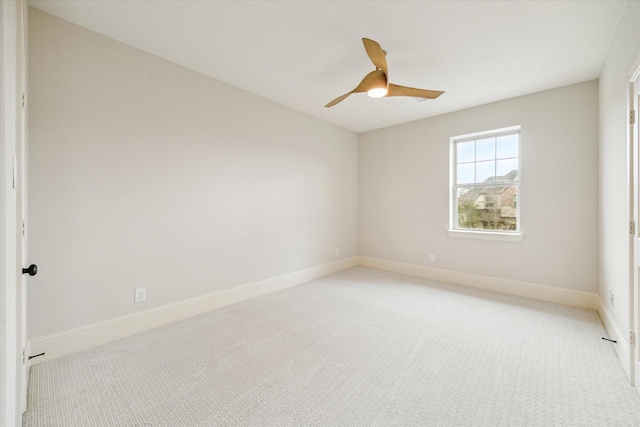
32, 270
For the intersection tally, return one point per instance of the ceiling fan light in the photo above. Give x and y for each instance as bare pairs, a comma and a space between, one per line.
377, 92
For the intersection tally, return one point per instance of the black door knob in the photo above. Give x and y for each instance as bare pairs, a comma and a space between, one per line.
32, 270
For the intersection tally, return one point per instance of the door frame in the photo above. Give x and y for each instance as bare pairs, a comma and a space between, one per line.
633, 153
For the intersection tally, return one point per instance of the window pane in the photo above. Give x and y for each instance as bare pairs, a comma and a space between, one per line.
507, 146
465, 173
485, 171
487, 208
507, 170
486, 149
465, 151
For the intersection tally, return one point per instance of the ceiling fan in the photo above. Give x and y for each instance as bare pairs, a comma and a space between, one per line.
376, 83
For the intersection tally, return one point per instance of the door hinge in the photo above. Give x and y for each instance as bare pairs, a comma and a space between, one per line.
632, 117
24, 229
632, 227
632, 338
24, 355
24, 100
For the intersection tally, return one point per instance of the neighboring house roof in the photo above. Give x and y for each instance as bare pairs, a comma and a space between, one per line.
501, 185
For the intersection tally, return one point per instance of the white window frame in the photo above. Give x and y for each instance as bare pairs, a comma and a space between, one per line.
503, 235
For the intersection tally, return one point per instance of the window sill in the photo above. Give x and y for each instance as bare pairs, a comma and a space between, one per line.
486, 235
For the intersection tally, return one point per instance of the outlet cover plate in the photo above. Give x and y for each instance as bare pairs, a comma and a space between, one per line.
140, 295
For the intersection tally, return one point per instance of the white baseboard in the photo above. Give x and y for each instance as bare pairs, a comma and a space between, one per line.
615, 333
72, 340
495, 284
523, 289
81, 338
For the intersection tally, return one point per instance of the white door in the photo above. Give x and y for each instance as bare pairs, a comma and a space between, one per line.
12, 302
22, 280
21, 201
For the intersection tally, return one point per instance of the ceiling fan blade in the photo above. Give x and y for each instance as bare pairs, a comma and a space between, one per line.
397, 90
372, 80
376, 54
338, 100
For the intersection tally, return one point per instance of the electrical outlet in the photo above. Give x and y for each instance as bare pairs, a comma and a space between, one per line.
337, 251
140, 295
611, 297
432, 257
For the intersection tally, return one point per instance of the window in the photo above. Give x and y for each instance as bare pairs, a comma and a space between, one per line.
489, 201
485, 184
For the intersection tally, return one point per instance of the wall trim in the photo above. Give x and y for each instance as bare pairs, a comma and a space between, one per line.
87, 336
615, 333
495, 284
84, 337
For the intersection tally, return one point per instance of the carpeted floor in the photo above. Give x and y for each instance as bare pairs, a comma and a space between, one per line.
357, 348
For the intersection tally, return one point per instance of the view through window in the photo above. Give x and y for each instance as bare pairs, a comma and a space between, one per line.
486, 181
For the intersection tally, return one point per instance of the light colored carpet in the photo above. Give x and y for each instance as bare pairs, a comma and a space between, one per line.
357, 348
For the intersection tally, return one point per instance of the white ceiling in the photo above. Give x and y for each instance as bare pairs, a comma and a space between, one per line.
302, 54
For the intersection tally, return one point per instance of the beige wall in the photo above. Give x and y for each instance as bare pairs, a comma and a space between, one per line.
404, 191
614, 238
146, 174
